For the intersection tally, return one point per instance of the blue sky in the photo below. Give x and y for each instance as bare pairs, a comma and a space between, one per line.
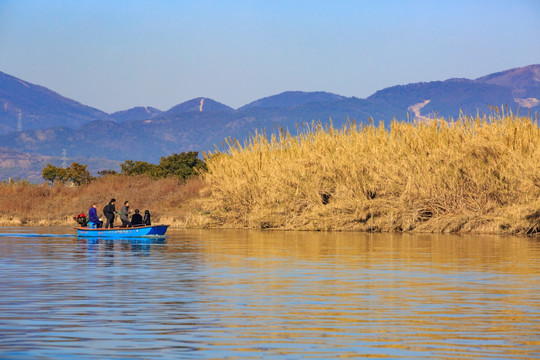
114, 55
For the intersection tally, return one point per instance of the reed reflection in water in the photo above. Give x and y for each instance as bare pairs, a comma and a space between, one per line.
227, 294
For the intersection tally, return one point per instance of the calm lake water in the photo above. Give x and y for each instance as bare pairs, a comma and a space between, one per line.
273, 295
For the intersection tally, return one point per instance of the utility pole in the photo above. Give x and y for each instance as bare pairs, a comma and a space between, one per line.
19, 120
64, 158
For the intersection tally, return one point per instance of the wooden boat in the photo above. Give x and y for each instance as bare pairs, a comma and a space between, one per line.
137, 231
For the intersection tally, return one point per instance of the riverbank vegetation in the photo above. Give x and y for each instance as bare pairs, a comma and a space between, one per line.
166, 189
475, 174
25, 204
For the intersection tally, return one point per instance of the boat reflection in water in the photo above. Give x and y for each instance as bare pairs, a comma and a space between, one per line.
108, 246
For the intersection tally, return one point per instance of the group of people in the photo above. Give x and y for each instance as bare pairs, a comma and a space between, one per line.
109, 211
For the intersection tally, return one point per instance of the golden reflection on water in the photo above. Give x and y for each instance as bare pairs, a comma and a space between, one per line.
229, 294
364, 294
507, 254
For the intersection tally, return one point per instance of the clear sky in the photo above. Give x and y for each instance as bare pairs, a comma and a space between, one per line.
114, 55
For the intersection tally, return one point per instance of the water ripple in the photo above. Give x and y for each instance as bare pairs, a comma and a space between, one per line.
211, 294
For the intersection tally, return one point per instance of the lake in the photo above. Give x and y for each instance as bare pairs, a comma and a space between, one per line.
207, 294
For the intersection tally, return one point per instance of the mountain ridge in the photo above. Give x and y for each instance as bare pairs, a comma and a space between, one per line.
292, 98
135, 113
19, 105
200, 104
28, 105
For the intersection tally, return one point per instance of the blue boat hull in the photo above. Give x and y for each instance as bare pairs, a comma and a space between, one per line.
153, 230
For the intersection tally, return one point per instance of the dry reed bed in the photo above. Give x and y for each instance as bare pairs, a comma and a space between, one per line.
42, 205
470, 175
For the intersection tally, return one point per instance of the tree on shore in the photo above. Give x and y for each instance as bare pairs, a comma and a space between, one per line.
76, 173
131, 167
183, 166
53, 174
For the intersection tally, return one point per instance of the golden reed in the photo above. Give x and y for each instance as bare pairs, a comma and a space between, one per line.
474, 174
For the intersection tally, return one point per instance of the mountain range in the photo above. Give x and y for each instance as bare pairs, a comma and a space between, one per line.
37, 122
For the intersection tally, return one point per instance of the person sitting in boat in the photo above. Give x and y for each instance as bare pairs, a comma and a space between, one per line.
124, 214
93, 220
136, 219
146, 219
81, 219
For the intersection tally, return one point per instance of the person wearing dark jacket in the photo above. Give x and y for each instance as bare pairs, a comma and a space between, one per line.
136, 219
110, 211
147, 218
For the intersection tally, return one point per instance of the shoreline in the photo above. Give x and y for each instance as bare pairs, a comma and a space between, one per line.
186, 226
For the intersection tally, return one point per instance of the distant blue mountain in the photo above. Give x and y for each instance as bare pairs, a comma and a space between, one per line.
36, 107
446, 98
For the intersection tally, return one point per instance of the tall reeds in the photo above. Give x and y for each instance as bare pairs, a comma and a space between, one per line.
479, 174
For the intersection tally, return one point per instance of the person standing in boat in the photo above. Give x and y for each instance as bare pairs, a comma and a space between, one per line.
110, 211
93, 217
124, 214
